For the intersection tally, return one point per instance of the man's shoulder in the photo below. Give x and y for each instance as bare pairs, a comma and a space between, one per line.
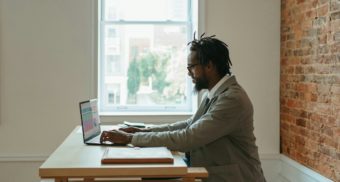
235, 94
233, 90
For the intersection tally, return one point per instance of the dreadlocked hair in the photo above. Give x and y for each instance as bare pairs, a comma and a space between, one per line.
211, 49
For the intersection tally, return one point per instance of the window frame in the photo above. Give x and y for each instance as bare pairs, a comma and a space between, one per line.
185, 109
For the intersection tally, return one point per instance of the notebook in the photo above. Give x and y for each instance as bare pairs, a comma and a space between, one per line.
90, 123
137, 155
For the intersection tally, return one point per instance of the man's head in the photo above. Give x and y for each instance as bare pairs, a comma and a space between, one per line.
208, 61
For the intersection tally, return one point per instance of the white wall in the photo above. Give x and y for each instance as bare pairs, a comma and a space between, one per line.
46, 68
252, 30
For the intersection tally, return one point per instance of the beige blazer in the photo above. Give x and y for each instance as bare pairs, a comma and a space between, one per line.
219, 137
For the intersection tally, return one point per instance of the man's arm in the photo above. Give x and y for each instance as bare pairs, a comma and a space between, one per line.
159, 128
125, 135
223, 118
171, 127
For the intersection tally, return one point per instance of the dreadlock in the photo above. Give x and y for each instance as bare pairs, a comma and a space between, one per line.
211, 49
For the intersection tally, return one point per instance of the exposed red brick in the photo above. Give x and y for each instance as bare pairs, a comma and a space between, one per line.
335, 6
304, 132
329, 141
301, 122
310, 84
323, 10
327, 131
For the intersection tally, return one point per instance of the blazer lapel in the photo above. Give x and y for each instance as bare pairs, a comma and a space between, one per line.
204, 108
200, 110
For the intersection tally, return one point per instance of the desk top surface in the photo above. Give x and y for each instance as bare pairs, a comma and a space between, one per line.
73, 158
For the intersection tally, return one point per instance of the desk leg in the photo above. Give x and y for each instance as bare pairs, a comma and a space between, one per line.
88, 179
188, 179
62, 179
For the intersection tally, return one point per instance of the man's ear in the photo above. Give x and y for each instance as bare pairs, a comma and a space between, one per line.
210, 65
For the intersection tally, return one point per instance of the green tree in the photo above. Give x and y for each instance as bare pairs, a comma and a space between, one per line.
154, 66
160, 74
147, 66
133, 82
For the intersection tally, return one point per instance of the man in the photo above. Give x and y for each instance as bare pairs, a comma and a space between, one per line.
219, 136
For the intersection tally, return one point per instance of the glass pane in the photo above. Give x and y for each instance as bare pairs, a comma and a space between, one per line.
113, 66
151, 61
112, 93
146, 10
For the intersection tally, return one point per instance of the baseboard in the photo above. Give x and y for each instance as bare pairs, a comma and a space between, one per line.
276, 167
271, 166
292, 171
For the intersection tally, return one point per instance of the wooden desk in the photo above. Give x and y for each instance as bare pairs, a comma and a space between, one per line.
73, 159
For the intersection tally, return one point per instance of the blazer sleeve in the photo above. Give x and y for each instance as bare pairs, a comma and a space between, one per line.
171, 127
222, 119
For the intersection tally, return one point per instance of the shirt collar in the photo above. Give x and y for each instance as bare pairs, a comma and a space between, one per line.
218, 85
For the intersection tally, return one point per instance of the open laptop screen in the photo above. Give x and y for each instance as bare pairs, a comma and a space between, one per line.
90, 118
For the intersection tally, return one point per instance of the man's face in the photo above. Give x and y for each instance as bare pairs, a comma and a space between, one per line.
196, 72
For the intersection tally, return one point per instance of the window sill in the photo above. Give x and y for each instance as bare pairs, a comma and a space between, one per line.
113, 114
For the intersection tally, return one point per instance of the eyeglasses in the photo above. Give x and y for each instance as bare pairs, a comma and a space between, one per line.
191, 66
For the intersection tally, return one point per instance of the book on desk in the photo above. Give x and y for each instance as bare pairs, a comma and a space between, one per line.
137, 155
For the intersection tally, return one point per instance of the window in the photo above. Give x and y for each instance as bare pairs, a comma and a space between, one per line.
143, 55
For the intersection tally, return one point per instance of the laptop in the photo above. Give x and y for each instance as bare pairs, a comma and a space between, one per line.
90, 123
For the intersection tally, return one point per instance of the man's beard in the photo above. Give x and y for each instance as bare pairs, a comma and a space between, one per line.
201, 83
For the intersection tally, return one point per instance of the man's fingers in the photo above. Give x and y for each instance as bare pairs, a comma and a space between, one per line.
128, 129
104, 136
122, 129
112, 136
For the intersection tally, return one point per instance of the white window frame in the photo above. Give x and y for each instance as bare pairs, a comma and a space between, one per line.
194, 17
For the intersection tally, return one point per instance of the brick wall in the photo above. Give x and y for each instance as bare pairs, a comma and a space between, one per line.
310, 84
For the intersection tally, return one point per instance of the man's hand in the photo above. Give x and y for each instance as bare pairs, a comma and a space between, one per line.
115, 136
134, 129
